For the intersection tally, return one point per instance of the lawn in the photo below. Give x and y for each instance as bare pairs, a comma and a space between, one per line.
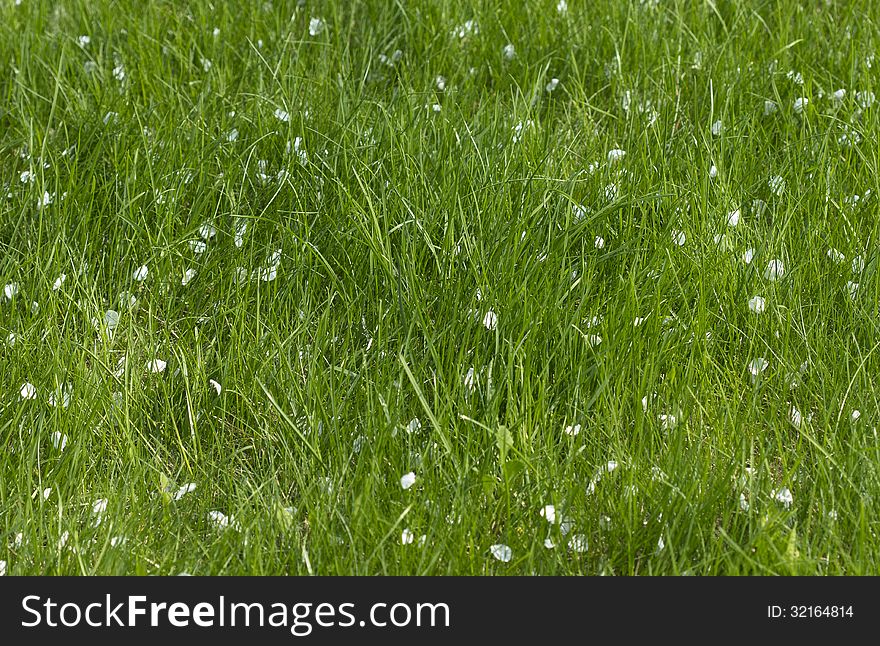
439, 287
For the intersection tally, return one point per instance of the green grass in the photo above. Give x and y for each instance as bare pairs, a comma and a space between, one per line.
397, 228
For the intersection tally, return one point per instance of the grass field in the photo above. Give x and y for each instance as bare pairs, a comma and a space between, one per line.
439, 287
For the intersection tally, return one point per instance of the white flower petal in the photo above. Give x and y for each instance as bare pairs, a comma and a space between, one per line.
407, 480
28, 391
836, 256
207, 231
795, 416
733, 218
140, 274
775, 270
10, 291
59, 441
185, 489
501, 552
316, 26
220, 520
757, 366
578, 543
783, 496
757, 304
414, 425
678, 238
776, 184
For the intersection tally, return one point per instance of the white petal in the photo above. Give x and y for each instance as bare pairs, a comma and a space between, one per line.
59, 441
407, 480
783, 496
10, 291
316, 26
678, 238
757, 366
795, 416
733, 218
757, 304
220, 519
852, 288
185, 489
501, 552
549, 513
111, 319
578, 543
240, 230
140, 274
414, 425
858, 265
775, 270
776, 184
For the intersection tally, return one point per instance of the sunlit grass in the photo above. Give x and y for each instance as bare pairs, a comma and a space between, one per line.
439, 287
